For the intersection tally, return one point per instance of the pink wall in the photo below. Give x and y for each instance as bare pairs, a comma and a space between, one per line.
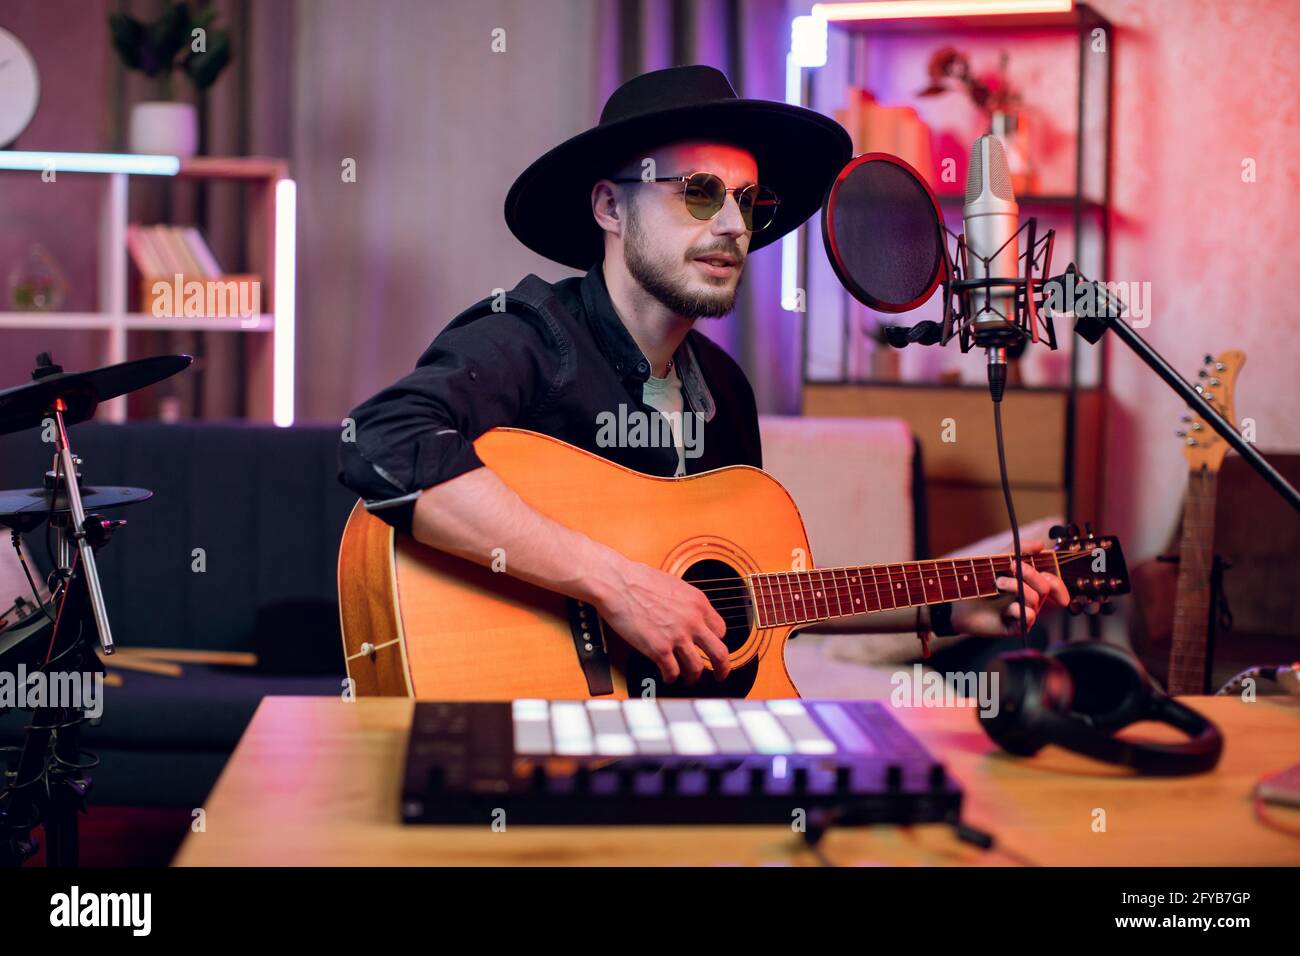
1202, 85
68, 39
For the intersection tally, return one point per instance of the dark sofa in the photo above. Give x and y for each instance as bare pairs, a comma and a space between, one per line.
265, 506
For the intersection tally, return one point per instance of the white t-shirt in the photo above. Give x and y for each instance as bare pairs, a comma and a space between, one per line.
665, 396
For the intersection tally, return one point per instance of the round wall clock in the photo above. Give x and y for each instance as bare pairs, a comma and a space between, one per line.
20, 88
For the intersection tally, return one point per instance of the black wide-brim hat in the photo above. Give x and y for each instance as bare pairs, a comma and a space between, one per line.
799, 152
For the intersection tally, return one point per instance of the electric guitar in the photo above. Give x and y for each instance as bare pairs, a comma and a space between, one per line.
1204, 450
419, 622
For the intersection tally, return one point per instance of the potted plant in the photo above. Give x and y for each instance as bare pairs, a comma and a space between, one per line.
993, 94
178, 40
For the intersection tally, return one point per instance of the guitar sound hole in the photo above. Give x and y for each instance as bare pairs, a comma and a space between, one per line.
729, 595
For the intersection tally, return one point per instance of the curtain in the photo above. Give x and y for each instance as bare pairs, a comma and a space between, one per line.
439, 125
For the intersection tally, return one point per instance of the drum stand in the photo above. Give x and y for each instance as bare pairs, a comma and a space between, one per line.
49, 785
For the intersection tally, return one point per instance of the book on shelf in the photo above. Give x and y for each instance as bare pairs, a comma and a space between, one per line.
200, 252
180, 277
162, 251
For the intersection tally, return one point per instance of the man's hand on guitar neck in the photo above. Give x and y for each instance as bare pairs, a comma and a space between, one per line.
476, 516
1000, 616
975, 617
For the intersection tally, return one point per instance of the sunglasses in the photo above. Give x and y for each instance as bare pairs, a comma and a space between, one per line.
705, 194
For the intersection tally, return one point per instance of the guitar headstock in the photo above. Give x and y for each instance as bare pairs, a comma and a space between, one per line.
1203, 447
1092, 567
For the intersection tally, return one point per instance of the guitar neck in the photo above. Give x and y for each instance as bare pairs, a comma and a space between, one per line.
801, 597
1188, 646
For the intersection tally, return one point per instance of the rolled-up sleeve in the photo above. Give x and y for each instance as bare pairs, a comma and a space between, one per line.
419, 431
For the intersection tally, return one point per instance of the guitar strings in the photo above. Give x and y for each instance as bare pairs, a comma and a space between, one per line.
746, 605
782, 591
906, 577
910, 567
785, 591
793, 595
903, 577
745, 609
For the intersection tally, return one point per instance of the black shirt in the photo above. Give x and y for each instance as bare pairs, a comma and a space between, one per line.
552, 358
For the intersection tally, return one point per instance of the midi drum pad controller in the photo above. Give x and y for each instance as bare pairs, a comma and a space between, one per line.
671, 761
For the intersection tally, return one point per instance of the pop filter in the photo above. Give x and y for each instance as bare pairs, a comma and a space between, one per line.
884, 233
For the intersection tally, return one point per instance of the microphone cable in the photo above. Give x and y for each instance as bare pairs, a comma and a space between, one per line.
997, 382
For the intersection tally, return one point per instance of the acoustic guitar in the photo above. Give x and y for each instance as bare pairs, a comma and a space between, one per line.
420, 622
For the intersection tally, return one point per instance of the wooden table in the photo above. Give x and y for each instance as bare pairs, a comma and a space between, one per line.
315, 781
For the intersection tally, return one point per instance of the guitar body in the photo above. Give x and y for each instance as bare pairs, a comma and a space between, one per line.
422, 623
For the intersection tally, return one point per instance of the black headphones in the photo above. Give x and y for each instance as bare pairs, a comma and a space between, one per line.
1078, 695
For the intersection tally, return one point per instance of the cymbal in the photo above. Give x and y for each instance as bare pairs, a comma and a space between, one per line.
23, 506
26, 406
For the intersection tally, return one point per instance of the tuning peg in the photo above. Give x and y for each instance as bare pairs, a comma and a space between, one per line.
1199, 389
1196, 426
1107, 608
1214, 380
1219, 366
1072, 530
1209, 396
1185, 418
1075, 607
1202, 373
1087, 526
1056, 533
1180, 433
1209, 359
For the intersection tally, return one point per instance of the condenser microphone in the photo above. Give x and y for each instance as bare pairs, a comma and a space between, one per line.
992, 221
885, 238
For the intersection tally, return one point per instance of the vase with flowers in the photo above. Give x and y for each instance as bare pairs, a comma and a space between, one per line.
991, 92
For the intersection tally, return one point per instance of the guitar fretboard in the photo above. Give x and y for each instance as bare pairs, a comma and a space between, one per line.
1187, 650
801, 597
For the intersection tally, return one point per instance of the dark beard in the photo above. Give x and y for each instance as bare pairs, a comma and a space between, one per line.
660, 284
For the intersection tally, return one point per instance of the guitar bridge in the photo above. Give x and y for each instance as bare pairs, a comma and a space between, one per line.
588, 632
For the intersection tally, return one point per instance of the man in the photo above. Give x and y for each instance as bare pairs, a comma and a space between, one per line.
661, 203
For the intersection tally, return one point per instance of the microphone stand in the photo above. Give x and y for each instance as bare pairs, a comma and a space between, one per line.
1093, 327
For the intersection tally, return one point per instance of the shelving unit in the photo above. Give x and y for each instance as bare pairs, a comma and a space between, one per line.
271, 253
1068, 446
